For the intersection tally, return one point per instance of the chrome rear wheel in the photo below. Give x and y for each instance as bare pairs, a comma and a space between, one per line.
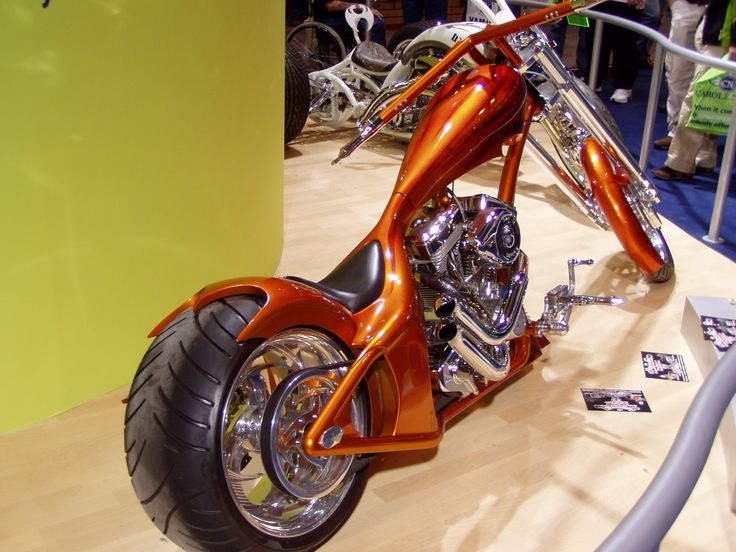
193, 433
278, 392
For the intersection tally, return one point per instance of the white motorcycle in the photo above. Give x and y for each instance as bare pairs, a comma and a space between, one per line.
370, 75
344, 86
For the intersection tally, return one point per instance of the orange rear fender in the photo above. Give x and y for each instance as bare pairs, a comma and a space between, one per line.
287, 304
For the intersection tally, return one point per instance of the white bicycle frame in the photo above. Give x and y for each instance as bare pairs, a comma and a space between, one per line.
340, 82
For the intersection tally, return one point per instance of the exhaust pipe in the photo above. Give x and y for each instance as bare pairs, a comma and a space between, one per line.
493, 362
486, 354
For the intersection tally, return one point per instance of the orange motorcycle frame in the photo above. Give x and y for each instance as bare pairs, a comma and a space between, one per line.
468, 122
471, 118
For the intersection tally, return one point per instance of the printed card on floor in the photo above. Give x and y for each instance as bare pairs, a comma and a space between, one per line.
615, 400
664, 366
721, 331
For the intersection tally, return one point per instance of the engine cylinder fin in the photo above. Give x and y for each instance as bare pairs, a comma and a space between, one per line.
471, 276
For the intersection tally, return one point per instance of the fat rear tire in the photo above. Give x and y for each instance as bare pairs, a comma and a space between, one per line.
174, 436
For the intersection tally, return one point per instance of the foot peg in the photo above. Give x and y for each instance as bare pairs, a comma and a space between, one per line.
558, 302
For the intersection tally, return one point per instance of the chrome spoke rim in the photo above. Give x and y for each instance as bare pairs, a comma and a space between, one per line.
259, 501
300, 400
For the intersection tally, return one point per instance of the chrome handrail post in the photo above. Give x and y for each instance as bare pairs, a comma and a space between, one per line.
724, 181
595, 55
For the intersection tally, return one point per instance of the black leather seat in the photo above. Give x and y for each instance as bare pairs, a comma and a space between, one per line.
373, 57
356, 282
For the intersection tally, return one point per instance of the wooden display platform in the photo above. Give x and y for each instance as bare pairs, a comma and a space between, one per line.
528, 469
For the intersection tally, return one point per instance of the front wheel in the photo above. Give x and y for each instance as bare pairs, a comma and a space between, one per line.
655, 238
198, 452
667, 270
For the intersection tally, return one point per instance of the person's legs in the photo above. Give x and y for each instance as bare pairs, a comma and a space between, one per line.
679, 70
622, 44
378, 32
557, 33
412, 11
584, 54
691, 148
707, 157
625, 65
651, 17
435, 10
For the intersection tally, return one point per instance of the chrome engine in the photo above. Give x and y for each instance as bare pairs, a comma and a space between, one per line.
472, 276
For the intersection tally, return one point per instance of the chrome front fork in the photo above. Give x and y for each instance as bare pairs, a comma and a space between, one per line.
558, 302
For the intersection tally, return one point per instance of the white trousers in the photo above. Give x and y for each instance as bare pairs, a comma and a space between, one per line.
685, 19
689, 147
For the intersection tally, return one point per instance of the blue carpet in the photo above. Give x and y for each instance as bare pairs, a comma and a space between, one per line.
686, 204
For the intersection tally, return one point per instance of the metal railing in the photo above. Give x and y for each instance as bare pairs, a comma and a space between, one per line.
662, 44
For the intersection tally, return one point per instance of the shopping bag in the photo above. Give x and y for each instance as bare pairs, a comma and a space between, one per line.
712, 105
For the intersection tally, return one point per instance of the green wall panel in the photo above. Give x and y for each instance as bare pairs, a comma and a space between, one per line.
141, 149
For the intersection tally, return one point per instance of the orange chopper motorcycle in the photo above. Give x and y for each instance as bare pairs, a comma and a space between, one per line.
257, 409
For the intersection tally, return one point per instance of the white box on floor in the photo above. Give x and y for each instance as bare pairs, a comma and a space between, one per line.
707, 356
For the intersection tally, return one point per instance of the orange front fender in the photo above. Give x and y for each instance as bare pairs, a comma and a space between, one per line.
607, 185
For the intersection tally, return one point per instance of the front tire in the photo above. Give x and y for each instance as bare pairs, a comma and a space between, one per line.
656, 238
192, 434
667, 270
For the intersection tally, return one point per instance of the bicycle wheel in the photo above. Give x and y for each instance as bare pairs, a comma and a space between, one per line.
318, 45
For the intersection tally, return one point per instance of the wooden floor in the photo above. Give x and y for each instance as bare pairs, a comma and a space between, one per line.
528, 469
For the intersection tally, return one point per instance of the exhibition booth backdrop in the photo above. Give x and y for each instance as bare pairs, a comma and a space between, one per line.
141, 152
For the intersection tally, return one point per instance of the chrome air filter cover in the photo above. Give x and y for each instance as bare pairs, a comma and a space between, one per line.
492, 229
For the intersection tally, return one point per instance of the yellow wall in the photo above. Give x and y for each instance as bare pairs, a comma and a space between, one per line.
141, 148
